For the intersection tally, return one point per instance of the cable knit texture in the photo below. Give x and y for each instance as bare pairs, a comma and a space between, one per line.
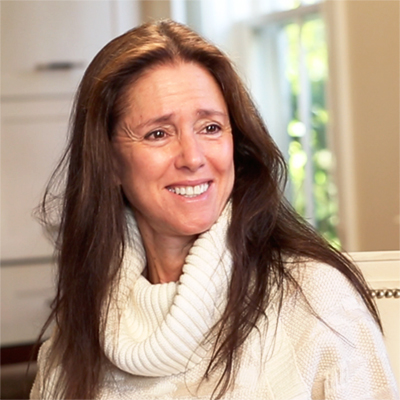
155, 335
162, 327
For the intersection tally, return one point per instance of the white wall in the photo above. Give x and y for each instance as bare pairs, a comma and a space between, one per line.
364, 99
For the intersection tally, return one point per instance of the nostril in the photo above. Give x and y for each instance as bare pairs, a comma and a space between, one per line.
191, 155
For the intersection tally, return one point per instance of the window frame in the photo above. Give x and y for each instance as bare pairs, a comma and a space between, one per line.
270, 104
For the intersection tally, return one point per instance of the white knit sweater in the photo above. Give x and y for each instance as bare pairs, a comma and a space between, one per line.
156, 349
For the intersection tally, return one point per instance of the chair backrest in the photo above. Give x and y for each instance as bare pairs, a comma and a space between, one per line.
382, 272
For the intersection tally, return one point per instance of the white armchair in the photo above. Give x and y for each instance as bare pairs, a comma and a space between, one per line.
382, 272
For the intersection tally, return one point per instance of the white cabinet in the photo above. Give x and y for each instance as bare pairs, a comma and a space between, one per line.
26, 291
45, 48
47, 44
33, 135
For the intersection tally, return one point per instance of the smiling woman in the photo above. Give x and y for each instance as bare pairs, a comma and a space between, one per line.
183, 271
173, 149
176, 133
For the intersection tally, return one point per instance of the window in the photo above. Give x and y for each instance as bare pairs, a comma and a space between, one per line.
291, 67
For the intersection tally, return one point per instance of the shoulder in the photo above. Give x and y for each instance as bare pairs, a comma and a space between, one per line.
335, 340
47, 373
324, 300
324, 287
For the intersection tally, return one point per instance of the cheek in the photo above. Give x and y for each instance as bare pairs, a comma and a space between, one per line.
224, 157
126, 167
143, 166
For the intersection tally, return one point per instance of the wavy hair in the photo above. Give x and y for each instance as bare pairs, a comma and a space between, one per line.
91, 236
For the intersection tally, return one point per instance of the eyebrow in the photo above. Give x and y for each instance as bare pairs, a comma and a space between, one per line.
157, 120
210, 112
203, 112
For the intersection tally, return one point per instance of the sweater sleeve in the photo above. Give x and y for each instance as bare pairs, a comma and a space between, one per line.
38, 383
35, 391
44, 381
339, 348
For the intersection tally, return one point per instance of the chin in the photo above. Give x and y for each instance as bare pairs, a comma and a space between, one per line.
193, 228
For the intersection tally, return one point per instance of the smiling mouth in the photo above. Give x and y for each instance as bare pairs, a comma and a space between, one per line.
190, 191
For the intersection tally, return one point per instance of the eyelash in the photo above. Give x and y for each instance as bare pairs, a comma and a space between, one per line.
152, 135
216, 128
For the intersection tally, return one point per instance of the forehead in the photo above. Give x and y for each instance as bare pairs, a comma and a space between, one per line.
169, 85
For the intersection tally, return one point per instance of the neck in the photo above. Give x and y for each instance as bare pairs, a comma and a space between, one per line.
165, 254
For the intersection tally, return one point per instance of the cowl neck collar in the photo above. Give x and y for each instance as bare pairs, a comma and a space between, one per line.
160, 330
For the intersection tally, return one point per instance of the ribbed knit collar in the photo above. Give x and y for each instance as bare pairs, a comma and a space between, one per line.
159, 330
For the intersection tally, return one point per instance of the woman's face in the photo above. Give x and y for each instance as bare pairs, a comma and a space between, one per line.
173, 149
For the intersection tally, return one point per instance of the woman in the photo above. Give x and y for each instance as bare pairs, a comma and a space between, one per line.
183, 272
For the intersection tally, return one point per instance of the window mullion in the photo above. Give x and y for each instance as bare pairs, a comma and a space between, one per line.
304, 109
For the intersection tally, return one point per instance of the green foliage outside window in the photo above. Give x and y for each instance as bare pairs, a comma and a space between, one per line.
311, 36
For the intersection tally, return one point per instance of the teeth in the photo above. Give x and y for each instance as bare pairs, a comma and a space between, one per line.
190, 191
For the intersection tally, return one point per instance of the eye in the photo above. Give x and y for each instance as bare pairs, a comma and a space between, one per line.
155, 135
212, 128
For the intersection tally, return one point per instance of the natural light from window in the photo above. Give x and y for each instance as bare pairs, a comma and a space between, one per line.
292, 34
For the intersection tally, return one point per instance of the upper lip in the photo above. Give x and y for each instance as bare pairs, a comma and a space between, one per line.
190, 183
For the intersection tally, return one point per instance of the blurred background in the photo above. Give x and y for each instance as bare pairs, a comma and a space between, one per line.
324, 74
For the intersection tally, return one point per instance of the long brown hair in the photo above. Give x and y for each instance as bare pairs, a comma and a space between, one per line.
90, 243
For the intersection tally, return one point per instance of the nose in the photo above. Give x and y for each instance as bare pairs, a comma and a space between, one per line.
190, 153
